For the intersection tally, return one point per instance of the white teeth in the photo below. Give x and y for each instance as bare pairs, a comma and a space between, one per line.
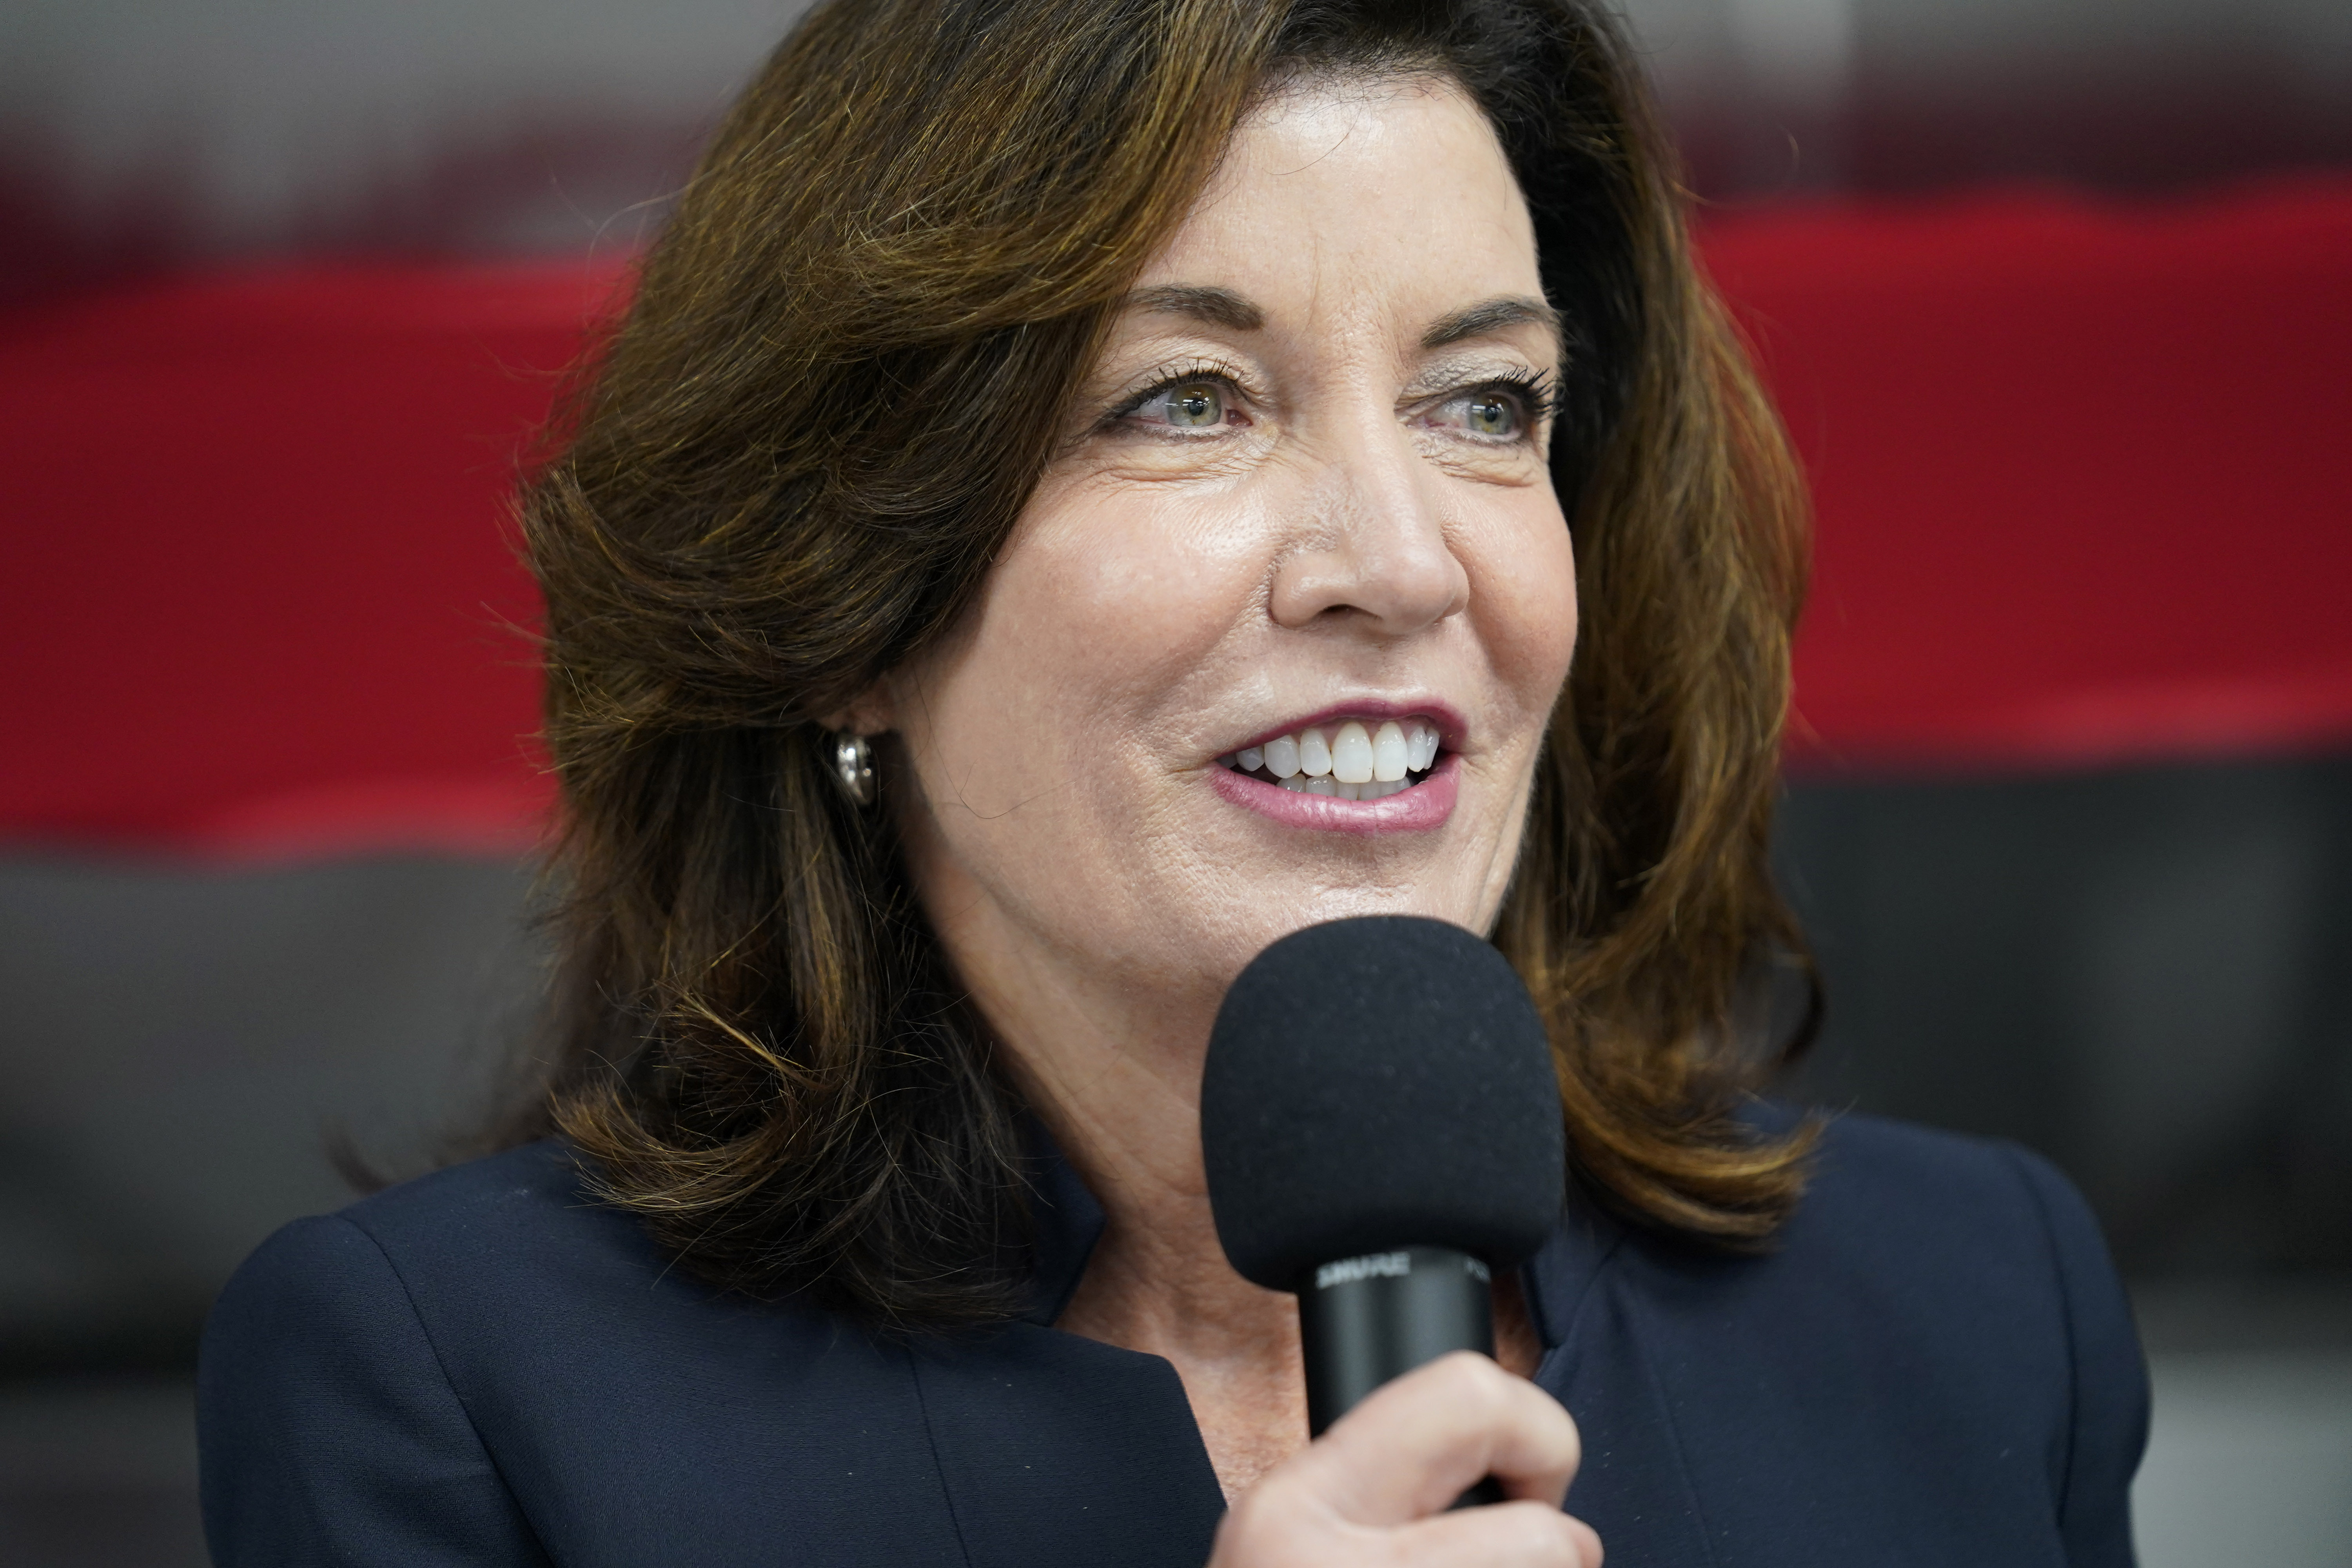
1351, 754
1313, 754
1356, 762
1420, 745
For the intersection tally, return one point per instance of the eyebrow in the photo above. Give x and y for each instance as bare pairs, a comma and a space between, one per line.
1490, 316
1223, 307
1217, 306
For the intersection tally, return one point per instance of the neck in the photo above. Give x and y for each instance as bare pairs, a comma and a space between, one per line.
1114, 1071
1158, 1281
1119, 1087
1113, 1068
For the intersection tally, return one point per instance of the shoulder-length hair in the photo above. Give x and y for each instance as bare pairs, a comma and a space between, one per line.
785, 472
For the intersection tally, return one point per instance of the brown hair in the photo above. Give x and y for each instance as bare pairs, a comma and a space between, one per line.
772, 485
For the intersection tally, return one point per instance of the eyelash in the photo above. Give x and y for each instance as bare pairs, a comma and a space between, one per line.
1181, 373
1538, 397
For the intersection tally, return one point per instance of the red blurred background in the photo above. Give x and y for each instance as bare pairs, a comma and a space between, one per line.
2080, 467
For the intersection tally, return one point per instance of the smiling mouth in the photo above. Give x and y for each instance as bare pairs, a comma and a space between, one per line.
1352, 759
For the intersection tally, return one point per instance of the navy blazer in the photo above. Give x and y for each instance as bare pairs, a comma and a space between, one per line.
1936, 1366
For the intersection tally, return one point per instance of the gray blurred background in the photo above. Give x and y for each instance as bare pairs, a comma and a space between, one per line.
2142, 971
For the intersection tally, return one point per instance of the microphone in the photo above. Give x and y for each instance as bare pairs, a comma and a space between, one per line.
1381, 1127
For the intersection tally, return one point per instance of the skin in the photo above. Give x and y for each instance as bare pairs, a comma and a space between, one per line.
1346, 514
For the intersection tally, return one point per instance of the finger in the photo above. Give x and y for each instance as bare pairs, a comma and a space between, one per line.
1414, 1445
1506, 1535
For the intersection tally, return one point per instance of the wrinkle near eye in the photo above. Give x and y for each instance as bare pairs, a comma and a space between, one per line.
1468, 373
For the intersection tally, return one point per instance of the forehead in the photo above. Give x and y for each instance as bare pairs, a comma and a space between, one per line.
1395, 186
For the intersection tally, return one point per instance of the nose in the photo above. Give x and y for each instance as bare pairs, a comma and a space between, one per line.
1374, 548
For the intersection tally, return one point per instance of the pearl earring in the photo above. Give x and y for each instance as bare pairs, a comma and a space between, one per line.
853, 766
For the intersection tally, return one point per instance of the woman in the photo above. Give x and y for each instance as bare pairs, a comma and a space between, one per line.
1082, 491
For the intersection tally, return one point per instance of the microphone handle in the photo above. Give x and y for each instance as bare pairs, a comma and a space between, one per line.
1363, 1321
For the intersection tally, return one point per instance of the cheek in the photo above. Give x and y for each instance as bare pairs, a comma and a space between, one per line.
1528, 576
1100, 612
1134, 584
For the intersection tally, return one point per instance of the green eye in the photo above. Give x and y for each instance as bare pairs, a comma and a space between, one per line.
1195, 405
1490, 414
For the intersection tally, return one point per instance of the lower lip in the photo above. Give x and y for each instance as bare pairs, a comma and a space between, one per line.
1425, 806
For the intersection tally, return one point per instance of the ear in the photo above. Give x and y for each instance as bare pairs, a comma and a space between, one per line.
870, 713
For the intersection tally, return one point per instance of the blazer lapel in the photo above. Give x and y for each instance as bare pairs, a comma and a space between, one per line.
1056, 1451
1060, 1450
1635, 1486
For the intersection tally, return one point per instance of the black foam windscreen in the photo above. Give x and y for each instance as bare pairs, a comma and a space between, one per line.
1378, 1083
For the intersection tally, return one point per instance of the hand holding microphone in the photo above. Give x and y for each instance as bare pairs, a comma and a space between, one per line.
1381, 1130
1373, 1491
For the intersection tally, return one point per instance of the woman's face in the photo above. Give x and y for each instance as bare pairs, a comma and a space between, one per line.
1302, 536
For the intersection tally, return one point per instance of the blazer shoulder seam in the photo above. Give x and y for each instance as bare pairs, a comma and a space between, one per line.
2016, 1161
1681, 1453
441, 1366
939, 1465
